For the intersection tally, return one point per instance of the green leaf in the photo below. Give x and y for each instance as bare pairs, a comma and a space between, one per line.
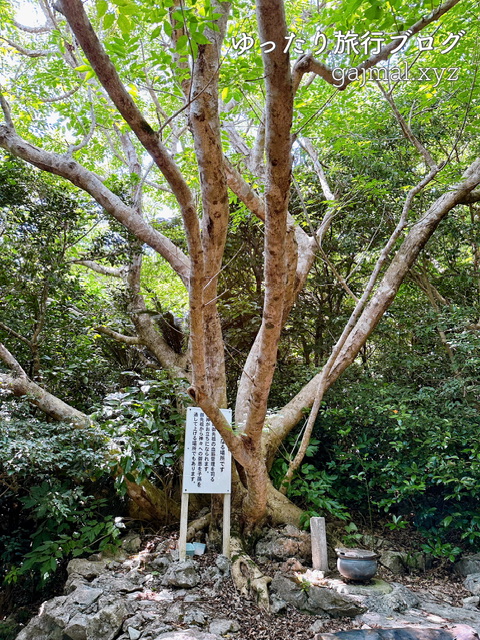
125, 24
108, 20
199, 38
181, 42
102, 6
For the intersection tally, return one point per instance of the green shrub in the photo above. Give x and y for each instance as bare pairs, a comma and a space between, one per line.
52, 477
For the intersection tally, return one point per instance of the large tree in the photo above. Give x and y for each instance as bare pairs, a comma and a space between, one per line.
201, 104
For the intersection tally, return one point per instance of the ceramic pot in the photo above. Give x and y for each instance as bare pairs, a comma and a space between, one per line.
357, 564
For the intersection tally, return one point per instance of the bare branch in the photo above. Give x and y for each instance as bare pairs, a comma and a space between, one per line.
105, 270
408, 133
63, 96
12, 363
119, 337
43, 29
89, 182
21, 385
308, 63
13, 333
372, 313
31, 53
6, 111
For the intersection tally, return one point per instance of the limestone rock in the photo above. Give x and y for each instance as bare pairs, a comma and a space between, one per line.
76, 629
316, 600
323, 600
222, 626
85, 595
131, 543
280, 545
106, 624
181, 574
472, 583
288, 591
133, 633
223, 564
471, 603
467, 565
393, 561
85, 568
399, 600
276, 603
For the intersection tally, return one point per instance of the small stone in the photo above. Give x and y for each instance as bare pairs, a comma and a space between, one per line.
181, 574
468, 565
223, 563
471, 602
132, 543
277, 604
317, 626
133, 633
472, 583
222, 626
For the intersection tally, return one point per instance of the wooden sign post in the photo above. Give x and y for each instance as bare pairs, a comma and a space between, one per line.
207, 468
319, 544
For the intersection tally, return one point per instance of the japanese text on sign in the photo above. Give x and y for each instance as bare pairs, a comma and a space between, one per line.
207, 463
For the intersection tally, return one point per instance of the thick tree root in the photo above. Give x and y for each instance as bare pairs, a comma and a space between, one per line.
247, 577
198, 525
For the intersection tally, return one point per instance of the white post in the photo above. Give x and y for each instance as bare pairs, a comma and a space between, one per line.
319, 544
182, 538
226, 524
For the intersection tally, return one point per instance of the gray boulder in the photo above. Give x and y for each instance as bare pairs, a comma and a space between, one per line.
322, 600
107, 623
313, 599
85, 568
288, 591
288, 543
471, 603
398, 600
181, 574
222, 626
472, 583
131, 543
467, 565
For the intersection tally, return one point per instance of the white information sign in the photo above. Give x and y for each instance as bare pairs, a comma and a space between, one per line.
207, 466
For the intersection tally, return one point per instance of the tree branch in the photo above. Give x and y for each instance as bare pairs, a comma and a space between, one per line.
30, 53
407, 132
405, 257
89, 182
101, 268
307, 63
21, 385
118, 337
15, 334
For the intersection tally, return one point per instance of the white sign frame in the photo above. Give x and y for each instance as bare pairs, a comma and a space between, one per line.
203, 473
207, 462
